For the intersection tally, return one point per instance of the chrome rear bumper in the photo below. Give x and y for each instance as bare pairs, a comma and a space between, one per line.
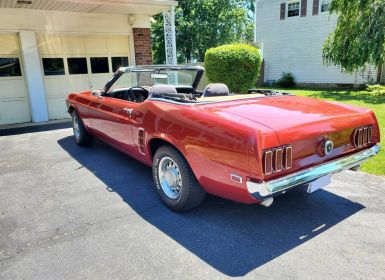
265, 190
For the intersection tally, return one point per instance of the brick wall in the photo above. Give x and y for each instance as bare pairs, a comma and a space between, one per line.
142, 45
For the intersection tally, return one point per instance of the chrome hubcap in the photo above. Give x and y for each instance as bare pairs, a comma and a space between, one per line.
76, 127
170, 178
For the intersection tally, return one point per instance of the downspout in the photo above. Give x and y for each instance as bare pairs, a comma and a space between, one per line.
255, 21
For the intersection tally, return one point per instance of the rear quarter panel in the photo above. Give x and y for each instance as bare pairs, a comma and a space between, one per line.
214, 147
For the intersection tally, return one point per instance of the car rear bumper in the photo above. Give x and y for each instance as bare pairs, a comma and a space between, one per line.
264, 190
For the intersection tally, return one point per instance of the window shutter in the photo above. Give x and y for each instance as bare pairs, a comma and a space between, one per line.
283, 11
303, 8
315, 7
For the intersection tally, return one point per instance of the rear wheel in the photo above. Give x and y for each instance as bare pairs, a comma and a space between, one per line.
175, 181
82, 137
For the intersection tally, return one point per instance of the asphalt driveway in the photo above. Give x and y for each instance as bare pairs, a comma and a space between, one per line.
92, 213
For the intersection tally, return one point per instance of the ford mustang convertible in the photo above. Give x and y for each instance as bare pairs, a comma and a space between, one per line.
248, 148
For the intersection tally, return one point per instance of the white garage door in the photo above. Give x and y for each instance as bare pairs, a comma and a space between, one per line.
77, 63
14, 102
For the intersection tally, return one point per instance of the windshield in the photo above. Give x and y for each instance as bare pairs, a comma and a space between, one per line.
150, 77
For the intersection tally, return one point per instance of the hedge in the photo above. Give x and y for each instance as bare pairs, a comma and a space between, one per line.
236, 65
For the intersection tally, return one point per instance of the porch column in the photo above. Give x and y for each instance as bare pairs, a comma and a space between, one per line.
33, 76
169, 36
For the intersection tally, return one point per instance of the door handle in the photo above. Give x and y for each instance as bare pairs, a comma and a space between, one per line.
128, 111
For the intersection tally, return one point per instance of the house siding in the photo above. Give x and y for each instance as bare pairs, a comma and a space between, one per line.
295, 45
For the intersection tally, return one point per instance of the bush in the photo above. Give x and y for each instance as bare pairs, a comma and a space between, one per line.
235, 65
376, 90
286, 81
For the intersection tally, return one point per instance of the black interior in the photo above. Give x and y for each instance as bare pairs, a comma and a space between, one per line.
139, 94
132, 94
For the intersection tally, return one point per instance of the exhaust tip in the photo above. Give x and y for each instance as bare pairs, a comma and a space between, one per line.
267, 202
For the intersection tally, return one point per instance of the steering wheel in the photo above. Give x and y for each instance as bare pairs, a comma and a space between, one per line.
133, 96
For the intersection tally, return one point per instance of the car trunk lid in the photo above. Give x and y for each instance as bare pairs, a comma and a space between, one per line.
294, 118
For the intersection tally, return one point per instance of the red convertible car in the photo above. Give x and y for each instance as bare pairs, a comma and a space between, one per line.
248, 148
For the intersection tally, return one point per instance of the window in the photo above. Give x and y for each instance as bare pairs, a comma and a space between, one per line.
325, 5
119, 62
99, 65
9, 67
293, 9
77, 65
53, 66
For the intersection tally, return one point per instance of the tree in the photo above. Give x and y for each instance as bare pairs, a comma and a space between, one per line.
236, 65
157, 38
359, 37
203, 24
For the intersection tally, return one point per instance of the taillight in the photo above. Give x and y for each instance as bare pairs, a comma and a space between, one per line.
362, 136
277, 159
268, 162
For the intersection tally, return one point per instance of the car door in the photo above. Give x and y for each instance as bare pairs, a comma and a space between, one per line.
111, 119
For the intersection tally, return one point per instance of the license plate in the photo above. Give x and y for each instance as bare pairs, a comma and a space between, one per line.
319, 183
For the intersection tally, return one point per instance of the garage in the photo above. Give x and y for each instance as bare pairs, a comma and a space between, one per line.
51, 48
76, 63
14, 103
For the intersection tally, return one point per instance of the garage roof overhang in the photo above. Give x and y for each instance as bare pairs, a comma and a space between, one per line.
148, 7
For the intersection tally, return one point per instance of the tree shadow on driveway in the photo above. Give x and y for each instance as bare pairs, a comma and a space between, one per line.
232, 238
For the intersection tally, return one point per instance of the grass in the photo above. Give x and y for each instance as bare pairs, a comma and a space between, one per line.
364, 99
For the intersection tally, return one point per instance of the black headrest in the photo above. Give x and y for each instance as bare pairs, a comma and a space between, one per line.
216, 90
160, 89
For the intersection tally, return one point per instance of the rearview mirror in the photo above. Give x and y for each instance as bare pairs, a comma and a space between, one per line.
159, 76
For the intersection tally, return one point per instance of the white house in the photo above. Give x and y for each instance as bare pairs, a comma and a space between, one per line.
292, 34
49, 48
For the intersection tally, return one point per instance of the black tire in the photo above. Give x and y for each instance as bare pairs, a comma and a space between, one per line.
82, 136
190, 194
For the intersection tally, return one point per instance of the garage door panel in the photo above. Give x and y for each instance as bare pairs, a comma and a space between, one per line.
73, 45
56, 93
96, 45
59, 85
50, 45
99, 81
8, 109
57, 109
78, 83
14, 102
55, 87
9, 44
118, 45
13, 87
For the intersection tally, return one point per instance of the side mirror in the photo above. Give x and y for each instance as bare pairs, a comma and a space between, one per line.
96, 92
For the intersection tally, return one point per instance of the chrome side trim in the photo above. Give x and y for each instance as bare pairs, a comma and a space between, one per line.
264, 190
141, 141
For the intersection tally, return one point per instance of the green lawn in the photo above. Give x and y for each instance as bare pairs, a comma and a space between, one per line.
375, 165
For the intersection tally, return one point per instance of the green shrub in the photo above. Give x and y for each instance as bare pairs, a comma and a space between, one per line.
235, 65
286, 81
376, 90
